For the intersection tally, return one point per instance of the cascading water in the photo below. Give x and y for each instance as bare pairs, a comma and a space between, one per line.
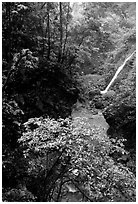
116, 74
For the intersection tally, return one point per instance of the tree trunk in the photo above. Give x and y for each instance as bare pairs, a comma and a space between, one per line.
66, 31
8, 14
48, 29
61, 33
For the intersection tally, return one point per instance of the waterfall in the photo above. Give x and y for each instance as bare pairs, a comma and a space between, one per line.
116, 74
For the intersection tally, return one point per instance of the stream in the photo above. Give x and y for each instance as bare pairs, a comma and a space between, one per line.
91, 120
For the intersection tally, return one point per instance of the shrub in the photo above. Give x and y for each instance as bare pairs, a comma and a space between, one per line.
64, 151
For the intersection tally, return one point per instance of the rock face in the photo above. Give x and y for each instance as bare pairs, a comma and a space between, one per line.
108, 94
122, 121
122, 124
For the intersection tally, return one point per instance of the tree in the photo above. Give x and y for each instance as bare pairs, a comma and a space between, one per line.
61, 33
48, 30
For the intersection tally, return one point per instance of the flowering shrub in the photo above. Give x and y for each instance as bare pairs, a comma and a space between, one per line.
71, 151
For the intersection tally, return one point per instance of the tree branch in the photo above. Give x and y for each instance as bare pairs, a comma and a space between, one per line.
82, 192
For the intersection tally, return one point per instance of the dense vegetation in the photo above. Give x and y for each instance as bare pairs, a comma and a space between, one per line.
56, 58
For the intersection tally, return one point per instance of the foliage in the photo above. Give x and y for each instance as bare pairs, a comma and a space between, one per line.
18, 195
40, 27
45, 86
24, 63
103, 34
87, 161
16, 32
48, 47
13, 163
